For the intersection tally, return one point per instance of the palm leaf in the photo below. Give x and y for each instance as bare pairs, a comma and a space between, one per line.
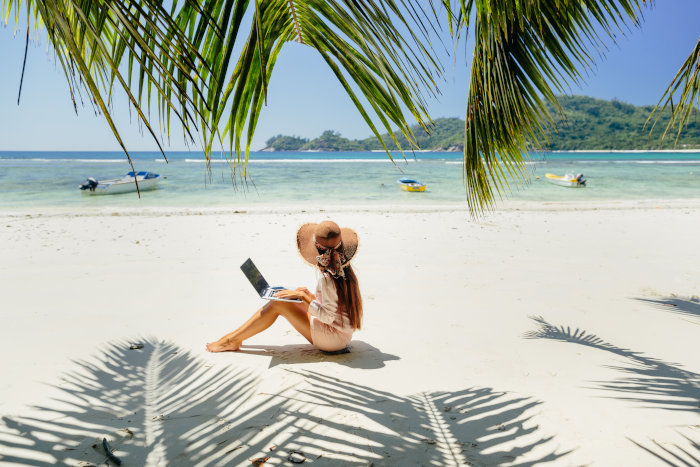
687, 82
524, 54
90, 39
359, 41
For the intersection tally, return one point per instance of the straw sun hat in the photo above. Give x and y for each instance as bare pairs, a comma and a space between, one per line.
328, 234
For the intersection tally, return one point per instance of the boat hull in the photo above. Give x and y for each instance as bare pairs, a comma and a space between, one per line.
118, 187
124, 185
568, 182
411, 185
412, 188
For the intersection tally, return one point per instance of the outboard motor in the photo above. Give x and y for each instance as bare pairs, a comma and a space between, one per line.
580, 179
90, 184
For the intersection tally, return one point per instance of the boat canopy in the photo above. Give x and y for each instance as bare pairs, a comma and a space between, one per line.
146, 175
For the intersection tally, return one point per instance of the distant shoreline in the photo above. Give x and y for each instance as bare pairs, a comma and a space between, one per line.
377, 151
629, 150
559, 151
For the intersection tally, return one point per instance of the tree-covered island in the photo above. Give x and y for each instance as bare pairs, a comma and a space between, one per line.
588, 123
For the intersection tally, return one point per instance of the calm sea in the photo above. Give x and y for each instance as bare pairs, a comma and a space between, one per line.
38, 179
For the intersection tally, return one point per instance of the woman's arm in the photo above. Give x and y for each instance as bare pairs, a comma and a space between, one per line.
325, 307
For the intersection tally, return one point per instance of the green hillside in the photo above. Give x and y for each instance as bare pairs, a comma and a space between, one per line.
599, 124
588, 123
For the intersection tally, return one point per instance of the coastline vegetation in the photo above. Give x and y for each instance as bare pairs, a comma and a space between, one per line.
586, 123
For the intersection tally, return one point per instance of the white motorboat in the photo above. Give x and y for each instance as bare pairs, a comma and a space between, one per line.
126, 184
568, 180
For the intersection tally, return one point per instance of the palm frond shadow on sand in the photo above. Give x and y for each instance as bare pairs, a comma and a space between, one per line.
161, 404
646, 380
673, 454
681, 306
149, 399
475, 426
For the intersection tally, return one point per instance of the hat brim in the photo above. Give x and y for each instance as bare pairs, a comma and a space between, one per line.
307, 248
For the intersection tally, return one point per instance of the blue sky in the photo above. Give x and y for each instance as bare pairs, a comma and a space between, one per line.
304, 97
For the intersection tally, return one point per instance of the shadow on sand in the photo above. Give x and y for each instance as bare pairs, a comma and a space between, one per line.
362, 355
673, 454
649, 381
163, 405
681, 306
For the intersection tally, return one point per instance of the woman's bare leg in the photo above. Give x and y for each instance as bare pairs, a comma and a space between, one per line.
295, 313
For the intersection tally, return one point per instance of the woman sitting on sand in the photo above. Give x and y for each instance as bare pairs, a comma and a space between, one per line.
327, 319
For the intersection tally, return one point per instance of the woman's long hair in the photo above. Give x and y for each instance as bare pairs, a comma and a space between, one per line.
349, 298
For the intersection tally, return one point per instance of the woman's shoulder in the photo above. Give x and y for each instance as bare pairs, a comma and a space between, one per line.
326, 282
325, 277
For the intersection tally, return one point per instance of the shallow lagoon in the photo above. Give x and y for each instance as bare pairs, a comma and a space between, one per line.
39, 179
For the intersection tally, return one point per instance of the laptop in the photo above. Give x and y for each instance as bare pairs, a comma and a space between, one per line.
260, 284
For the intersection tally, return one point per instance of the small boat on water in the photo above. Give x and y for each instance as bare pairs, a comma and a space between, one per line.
568, 180
126, 184
408, 184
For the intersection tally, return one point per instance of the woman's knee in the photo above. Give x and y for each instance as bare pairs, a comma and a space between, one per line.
270, 308
287, 309
274, 307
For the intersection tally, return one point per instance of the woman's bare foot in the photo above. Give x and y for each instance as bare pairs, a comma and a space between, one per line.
224, 345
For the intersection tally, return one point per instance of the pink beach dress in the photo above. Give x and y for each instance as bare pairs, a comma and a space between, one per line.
330, 328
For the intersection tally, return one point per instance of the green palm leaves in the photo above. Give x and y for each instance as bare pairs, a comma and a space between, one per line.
524, 52
134, 46
358, 40
206, 64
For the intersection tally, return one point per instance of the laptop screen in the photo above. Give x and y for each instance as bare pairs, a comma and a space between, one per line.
254, 276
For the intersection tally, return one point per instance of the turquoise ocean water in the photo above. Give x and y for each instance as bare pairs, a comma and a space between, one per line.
50, 179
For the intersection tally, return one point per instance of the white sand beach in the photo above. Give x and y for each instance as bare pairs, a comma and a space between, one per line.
557, 334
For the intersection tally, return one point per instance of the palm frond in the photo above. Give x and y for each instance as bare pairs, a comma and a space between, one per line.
91, 39
376, 49
524, 54
687, 82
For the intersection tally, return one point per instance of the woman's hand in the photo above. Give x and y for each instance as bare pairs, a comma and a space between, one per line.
286, 293
301, 293
306, 292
